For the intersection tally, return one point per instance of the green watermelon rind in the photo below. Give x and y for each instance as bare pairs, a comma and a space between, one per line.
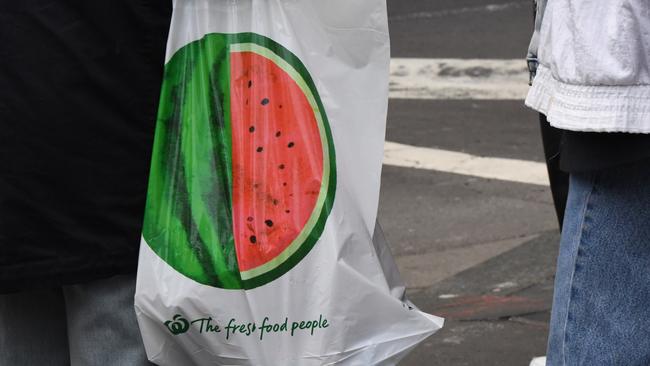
171, 228
311, 232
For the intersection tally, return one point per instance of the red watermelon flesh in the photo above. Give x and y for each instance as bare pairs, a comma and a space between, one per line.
277, 158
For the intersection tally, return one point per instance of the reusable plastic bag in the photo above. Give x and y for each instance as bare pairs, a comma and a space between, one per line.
259, 242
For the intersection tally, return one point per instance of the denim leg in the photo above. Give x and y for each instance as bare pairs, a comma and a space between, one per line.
601, 311
102, 327
580, 190
32, 329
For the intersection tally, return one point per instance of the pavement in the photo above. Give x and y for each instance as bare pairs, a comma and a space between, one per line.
496, 312
476, 250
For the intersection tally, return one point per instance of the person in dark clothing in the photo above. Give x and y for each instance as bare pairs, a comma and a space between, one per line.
559, 180
79, 87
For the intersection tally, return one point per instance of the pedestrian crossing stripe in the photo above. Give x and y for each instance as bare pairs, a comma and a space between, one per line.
512, 170
448, 78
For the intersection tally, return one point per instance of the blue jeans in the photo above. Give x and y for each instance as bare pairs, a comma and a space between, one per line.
601, 305
91, 324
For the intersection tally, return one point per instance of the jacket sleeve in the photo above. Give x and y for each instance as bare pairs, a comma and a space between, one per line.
531, 57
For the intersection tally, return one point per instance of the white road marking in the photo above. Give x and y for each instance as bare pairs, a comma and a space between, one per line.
511, 170
539, 361
487, 79
419, 78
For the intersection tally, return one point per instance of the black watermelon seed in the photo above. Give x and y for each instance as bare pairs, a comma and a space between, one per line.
284, 184
250, 83
251, 129
280, 106
290, 144
260, 149
246, 101
277, 134
265, 101
281, 166
287, 211
275, 202
250, 218
253, 239
268, 223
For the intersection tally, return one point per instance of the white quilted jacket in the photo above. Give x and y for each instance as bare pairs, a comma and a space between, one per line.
594, 65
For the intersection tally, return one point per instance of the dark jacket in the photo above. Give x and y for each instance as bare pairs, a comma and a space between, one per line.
79, 84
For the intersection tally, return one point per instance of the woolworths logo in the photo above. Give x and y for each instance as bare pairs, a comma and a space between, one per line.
180, 325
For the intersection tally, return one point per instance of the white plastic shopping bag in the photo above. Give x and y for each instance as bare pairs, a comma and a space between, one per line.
258, 237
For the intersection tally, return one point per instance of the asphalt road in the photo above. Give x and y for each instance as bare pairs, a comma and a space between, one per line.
460, 28
480, 252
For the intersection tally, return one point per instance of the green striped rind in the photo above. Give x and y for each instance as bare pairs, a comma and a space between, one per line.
186, 223
188, 217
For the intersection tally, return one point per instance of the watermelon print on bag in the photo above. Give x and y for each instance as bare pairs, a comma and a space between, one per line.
243, 170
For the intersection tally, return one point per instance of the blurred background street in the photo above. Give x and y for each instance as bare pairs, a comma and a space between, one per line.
465, 201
